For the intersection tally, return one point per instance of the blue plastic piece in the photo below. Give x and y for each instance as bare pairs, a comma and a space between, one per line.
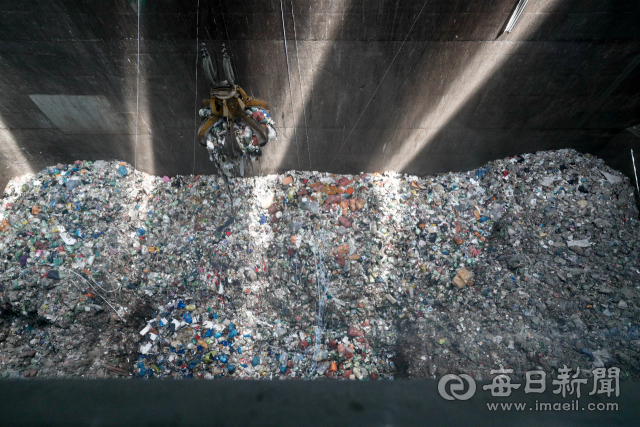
233, 333
73, 183
255, 361
140, 232
187, 317
217, 335
209, 333
122, 171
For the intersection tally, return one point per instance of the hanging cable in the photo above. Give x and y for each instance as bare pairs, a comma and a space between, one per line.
634, 171
135, 149
195, 115
233, 61
286, 53
375, 91
304, 109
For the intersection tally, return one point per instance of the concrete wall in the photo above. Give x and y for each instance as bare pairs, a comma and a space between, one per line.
414, 86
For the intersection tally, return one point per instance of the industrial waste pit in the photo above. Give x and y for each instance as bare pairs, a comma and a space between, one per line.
530, 261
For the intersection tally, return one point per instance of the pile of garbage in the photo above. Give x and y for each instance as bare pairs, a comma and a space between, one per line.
529, 261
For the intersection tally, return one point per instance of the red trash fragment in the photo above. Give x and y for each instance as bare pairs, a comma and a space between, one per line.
333, 198
343, 181
353, 332
257, 116
272, 209
340, 260
344, 221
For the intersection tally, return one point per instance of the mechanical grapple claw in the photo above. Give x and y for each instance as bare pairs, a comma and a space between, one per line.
235, 126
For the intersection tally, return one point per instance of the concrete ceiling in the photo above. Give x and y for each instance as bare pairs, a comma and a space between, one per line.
414, 86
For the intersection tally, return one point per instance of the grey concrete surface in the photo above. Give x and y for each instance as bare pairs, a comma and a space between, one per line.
370, 91
292, 403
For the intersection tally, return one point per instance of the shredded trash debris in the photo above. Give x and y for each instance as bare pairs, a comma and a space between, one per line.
527, 261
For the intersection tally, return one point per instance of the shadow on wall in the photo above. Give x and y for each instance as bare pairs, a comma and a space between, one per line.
258, 51
467, 128
589, 110
168, 62
458, 94
13, 160
68, 84
170, 56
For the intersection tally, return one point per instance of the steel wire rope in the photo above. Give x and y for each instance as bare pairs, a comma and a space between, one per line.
634, 171
195, 114
286, 53
377, 87
135, 149
233, 62
304, 110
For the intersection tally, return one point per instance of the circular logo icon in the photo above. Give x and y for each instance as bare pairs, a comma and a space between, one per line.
456, 387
